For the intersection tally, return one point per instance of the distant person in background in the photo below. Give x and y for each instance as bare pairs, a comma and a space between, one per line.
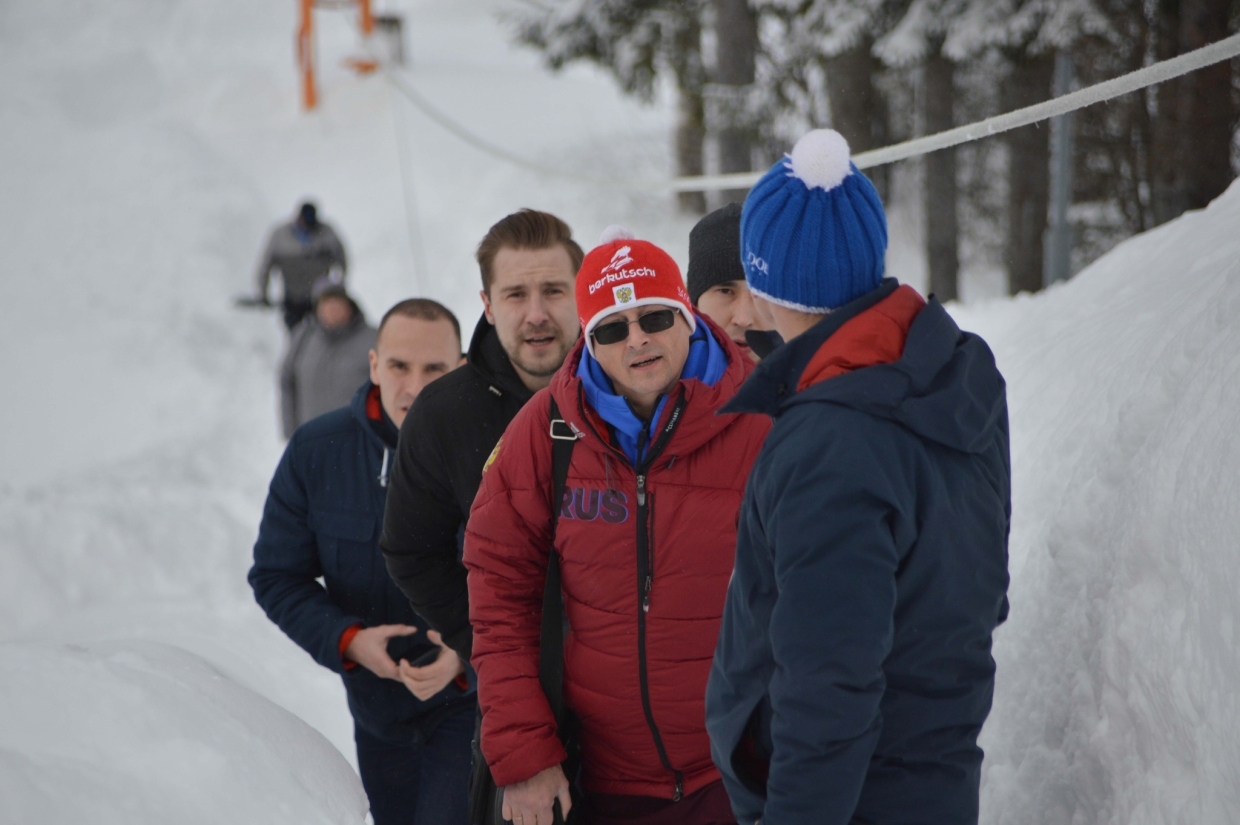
302, 251
326, 359
324, 511
716, 282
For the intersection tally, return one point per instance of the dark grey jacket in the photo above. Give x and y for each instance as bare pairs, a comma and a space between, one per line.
322, 369
302, 258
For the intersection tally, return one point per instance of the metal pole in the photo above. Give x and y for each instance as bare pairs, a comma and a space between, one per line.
1057, 260
305, 56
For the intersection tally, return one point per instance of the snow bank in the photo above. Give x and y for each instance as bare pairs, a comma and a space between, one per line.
143, 732
1117, 698
145, 148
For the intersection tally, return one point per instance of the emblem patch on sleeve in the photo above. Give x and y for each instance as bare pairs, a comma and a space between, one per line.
494, 454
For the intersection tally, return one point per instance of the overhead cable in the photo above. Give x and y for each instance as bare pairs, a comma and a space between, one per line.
1217, 52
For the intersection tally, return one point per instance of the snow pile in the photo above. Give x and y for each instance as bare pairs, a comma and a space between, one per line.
143, 732
146, 146
1117, 699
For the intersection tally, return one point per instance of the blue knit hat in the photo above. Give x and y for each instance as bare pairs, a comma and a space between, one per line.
813, 232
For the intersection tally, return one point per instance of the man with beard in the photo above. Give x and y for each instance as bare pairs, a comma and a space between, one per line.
529, 264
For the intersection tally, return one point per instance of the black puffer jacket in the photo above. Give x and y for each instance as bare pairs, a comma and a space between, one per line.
444, 441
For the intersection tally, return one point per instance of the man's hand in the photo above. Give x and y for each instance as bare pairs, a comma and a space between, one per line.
369, 649
529, 802
425, 682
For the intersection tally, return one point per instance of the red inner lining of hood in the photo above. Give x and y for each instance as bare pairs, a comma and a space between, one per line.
374, 405
874, 337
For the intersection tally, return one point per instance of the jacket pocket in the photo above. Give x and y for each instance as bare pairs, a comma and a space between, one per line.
346, 546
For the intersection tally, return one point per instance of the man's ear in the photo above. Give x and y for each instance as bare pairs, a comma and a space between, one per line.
374, 367
486, 307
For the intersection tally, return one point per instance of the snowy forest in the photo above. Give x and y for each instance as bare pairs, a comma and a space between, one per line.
752, 76
149, 147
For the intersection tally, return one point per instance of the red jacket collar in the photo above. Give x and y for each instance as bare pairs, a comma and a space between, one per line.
374, 404
875, 336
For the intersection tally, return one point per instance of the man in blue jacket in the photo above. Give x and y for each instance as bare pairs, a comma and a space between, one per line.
324, 511
853, 670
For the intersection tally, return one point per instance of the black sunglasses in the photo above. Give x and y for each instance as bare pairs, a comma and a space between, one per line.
614, 332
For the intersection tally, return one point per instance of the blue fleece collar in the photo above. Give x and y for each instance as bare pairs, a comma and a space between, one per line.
707, 362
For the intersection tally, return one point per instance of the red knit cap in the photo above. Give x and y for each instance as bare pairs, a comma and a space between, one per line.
623, 272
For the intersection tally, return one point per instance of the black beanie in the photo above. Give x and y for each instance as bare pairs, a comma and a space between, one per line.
715, 251
309, 215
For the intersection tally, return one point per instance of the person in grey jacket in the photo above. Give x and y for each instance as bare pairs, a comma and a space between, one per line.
327, 358
303, 251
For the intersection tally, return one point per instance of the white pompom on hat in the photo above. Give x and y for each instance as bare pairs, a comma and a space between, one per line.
821, 159
616, 232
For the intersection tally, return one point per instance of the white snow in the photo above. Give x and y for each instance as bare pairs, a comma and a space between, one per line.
146, 732
145, 147
1117, 696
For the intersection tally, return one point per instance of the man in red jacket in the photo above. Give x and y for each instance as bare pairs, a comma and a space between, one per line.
646, 537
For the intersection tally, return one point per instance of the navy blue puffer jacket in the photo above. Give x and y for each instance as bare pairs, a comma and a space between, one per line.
853, 670
322, 519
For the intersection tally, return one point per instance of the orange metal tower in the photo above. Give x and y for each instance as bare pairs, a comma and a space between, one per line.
305, 44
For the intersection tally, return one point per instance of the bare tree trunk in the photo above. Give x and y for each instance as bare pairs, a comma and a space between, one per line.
691, 109
1207, 110
1028, 172
858, 110
1166, 172
736, 31
690, 133
938, 103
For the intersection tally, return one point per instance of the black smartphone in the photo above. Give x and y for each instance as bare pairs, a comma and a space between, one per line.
412, 649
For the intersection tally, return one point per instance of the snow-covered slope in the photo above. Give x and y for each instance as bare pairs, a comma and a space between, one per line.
144, 732
1117, 696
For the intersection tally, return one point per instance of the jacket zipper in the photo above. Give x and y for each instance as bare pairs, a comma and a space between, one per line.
645, 566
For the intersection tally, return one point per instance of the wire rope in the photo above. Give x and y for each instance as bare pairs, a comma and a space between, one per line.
1151, 75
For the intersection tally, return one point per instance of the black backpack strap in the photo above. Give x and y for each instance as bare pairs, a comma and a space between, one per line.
551, 643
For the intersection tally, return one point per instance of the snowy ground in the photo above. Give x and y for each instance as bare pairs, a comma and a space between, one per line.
145, 145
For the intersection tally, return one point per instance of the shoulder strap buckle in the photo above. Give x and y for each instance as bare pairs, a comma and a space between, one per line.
563, 432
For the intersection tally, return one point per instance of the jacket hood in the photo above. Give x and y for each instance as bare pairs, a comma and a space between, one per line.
701, 420
368, 411
488, 359
944, 387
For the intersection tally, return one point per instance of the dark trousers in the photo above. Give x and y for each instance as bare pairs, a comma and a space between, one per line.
294, 311
705, 806
418, 782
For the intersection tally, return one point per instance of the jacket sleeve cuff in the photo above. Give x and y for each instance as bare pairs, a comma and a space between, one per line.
346, 639
532, 759
468, 681
462, 642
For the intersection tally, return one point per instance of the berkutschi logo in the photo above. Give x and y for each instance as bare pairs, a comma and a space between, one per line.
584, 504
619, 260
622, 275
